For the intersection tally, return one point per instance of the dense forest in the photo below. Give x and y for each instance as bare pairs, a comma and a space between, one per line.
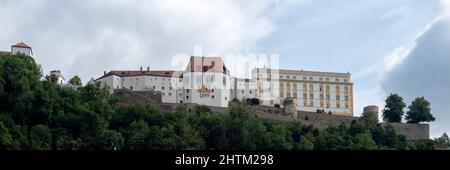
38, 114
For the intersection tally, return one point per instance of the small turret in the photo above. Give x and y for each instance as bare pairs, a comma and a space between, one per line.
21, 48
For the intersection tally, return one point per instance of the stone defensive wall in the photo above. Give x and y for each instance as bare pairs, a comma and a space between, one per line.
318, 120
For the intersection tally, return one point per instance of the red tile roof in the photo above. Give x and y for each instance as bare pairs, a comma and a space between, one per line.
207, 64
143, 73
21, 45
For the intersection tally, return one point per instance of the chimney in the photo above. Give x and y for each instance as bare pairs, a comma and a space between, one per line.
148, 68
141, 68
104, 72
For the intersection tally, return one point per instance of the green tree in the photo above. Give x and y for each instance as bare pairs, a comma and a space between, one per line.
364, 141
19, 76
75, 80
442, 142
393, 111
5, 137
278, 138
305, 144
419, 111
40, 137
110, 140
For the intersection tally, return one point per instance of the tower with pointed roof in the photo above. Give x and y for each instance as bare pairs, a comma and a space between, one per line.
21, 48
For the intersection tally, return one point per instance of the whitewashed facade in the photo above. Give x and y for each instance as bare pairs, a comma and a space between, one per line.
21, 48
206, 81
245, 89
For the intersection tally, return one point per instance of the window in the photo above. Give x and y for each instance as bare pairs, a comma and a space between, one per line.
198, 79
346, 80
311, 87
162, 88
250, 92
328, 97
294, 77
163, 94
187, 97
154, 87
242, 91
137, 78
337, 80
328, 104
212, 90
346, 105
212, 96
305, 96
281, 77
170, 94
187, 90
338, 97
321, 96
131, 87
304, 78
338, 105
311, 96
346, 98
310, 78
226, 98
224, 81
320, 79
288, 77
210, 79
338, 89
327, 79
170, 88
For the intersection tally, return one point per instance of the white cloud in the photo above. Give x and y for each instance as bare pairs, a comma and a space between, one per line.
422, 70
89, 37
404, 10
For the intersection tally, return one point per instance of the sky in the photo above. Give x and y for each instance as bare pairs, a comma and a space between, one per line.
389, 46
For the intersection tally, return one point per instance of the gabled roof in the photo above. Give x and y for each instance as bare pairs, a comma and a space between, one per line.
21, 45
206, 64
160, 73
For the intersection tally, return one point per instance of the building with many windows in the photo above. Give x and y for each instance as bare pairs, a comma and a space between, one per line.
207, 81
324, 91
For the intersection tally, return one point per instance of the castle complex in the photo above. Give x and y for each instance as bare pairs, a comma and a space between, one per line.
207, 81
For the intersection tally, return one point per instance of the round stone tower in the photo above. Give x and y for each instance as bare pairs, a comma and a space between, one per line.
371, 111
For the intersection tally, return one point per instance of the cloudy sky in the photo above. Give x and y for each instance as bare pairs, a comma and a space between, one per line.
400, 46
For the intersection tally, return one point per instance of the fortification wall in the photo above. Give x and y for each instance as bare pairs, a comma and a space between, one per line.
412, 131
318, 120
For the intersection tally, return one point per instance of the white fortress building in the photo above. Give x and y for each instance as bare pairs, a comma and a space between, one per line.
207, 81
20, 47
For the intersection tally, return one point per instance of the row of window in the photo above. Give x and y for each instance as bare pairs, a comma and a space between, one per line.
311, 96
312, 79
137, 78
322, 105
